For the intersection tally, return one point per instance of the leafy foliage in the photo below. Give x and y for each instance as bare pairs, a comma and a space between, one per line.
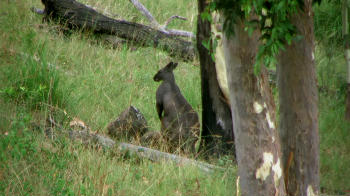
270, 17
328, 24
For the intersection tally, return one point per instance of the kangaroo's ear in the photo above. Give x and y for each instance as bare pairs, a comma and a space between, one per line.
168, 66
173, 65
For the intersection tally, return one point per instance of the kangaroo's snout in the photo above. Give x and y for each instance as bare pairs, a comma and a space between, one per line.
156, 78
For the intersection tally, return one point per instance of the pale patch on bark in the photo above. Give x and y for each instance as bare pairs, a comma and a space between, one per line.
310, 191
268, 118
220, 67
220, 64
276, 168
237, 185
313, 56
257, 107
264, 170
220, 122
273, 139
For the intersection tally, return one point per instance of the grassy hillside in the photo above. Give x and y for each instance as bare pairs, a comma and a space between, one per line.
44, 71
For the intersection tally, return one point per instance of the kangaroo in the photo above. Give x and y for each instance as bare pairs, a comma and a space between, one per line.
179, 121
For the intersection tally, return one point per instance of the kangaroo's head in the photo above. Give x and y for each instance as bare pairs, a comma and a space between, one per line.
166, 73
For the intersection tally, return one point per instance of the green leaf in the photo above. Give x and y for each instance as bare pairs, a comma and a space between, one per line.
288, 38
257, 68
212, 56
250, 31
206, 44
206, 16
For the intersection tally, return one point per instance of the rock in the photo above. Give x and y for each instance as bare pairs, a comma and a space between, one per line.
130, 123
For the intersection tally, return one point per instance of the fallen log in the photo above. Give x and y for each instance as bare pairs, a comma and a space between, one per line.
84, 136
87, 138
79, 16
158, 156
90, 138
80, 132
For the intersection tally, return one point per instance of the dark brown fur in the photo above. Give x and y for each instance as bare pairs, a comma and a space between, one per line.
180, 122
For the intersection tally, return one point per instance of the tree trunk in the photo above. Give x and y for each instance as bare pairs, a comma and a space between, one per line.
298, 99
217, 130
256, 139
77, 15
346, 37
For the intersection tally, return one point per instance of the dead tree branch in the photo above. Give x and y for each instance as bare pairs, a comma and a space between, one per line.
163, 28
172, 18
79, 16
146, 13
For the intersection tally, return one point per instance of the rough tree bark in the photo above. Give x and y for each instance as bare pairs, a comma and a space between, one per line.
77, 15
216, 115
298, 99
256, 139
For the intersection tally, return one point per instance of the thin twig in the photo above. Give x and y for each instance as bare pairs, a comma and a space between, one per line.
52, 122
171, 19
163, 28
146, 13
181, 33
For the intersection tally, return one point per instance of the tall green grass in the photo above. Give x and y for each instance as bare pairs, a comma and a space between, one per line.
334, 130
30, 164
42, 70
34, 80
331, 72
